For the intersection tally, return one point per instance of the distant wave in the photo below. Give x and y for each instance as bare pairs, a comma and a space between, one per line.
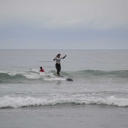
17, 102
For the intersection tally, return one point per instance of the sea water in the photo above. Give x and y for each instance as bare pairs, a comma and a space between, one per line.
100, 79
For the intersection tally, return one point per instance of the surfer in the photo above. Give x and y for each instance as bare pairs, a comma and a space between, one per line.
41, 69
58, 65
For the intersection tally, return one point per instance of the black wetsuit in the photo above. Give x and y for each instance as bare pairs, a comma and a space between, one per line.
58, 65
58, 68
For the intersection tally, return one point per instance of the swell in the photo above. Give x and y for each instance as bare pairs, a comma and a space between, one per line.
119, 73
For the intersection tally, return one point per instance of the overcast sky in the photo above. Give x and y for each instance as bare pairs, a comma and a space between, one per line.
63, 24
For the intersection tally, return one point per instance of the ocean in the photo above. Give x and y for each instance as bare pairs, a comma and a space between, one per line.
96, 98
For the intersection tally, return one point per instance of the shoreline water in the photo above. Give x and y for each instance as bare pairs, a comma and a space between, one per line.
62, 116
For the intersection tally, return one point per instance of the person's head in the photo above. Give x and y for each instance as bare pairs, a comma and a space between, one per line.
40, 67
58, 55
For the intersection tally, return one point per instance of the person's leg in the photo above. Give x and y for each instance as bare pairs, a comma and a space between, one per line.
57, 68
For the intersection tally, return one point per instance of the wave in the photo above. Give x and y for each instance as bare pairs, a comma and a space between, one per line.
13, 76
18, 102
49, 76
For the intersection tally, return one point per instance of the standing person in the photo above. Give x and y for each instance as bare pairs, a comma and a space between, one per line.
58, 65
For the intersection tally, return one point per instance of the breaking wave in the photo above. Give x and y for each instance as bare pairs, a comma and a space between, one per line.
17, 102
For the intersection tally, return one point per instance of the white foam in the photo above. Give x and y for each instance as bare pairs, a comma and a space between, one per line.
53, 79
16, 102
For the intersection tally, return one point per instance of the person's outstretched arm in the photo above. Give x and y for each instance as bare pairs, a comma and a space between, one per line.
64, 57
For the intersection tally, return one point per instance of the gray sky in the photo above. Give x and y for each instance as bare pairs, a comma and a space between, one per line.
63, 24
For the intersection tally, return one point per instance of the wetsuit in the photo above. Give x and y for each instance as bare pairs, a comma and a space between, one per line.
58, 65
